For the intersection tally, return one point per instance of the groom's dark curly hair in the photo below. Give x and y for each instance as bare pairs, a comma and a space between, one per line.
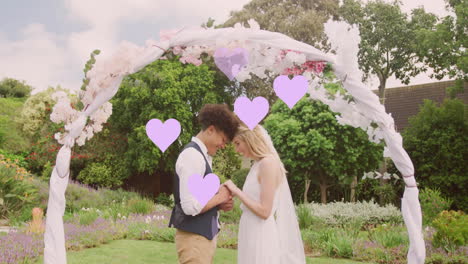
220, 117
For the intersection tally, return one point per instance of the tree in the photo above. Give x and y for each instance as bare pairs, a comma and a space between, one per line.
164, 89
301, 20
437, 142
316, 149
13, 88
444, 47
387, 46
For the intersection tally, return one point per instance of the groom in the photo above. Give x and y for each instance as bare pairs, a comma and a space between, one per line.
197, 226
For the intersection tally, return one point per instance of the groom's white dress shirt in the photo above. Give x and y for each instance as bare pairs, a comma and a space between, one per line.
190, 162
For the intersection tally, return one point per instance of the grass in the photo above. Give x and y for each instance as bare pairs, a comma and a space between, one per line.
145, 252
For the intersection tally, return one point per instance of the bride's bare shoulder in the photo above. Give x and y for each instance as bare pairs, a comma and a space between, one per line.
268, 161
268, 167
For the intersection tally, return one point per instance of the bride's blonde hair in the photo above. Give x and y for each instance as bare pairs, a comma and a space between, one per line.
256, 143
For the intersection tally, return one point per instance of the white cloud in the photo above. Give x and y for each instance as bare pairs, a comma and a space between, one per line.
36, 58
43, 58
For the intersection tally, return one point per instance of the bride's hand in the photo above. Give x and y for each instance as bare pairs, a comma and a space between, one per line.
232, 187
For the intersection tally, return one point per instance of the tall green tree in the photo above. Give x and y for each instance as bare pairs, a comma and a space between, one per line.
301, 20
437, 142
388, 47
316, 149
164, 89
444, 47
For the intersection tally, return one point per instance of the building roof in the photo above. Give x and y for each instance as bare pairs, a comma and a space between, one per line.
404, 102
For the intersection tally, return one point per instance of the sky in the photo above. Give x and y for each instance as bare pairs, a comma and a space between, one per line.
46, 43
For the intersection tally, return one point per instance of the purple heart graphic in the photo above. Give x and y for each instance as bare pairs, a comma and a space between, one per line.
230, 62
290, 91
251, 112
203, 189
163, 135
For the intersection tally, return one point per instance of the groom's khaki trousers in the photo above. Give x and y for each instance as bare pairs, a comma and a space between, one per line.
193, 248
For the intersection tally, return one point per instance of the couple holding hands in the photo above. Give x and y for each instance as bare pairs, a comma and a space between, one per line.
268, 229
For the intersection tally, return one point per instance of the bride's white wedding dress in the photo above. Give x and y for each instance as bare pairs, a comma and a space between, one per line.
276, 240
258, 240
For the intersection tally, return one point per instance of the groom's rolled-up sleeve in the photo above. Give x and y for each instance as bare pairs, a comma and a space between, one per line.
190, 162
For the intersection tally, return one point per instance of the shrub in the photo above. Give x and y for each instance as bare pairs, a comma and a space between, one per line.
443, 259
238, 177
306, 219
332, 242
339, 244
80, 196
432, 203
47, 171
16, 159
451, 230
97, 174
87, 216
304, 216
341, 213
165, 200
388, 236
140, 206
17, 194
436, 141
14, 88
232, 216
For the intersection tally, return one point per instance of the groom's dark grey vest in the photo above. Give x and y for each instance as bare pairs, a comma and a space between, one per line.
205, 224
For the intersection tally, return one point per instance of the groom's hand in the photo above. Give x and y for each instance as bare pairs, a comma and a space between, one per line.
224, 194
227, 206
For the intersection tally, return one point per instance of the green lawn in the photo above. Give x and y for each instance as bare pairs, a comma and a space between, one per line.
146, 252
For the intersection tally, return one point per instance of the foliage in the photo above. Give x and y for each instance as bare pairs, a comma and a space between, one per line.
432, 204
47, 171
369, 213
17, 194
35, 123
140, 206
301, 20
239, 176
437, 142
11, 138
387, 46
87, 217
315, 147
165, 200
443, 259
15, 159
306, 219
452, 230
163, 89
233, 216
10, 87
444, 47
226, 162
329, 241
388, 236
35, 115
88, 66
109, 173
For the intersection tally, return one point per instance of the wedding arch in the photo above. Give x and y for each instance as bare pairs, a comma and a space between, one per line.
268, 53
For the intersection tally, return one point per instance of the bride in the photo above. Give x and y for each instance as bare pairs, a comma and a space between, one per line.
268, 230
